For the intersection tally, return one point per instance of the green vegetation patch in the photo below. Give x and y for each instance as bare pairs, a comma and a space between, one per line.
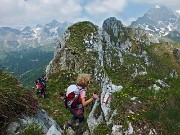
14, 100
25, 65
78, 32
146, 107
103, 129
163, 60
56, 86
121, 73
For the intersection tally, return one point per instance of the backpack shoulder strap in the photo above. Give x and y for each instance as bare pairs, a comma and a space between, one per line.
80, 88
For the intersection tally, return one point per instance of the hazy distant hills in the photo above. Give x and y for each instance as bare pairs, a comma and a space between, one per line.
161, 21
26, 52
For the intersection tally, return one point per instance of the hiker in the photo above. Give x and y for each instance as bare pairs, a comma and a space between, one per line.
43, 81
77, 110
39, 88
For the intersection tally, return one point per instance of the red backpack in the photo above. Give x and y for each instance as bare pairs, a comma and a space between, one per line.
72, 97
40, 87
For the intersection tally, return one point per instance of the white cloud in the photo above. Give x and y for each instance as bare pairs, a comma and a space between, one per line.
178, 11
32, 12
21, 12
174, 4
128, 21
111, 7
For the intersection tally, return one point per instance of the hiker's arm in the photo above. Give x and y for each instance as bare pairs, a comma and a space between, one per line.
37, 87
84, 102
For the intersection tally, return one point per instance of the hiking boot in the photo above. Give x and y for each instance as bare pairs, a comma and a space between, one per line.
80, 133
67, 125
69, 131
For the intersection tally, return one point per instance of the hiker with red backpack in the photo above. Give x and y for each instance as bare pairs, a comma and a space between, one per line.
76, 101
39, 88
43, 82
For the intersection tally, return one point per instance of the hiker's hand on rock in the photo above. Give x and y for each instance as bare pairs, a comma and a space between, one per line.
95, 96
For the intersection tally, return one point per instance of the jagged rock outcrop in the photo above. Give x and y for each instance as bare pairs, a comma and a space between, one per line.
177, 53
113, 24
48, 125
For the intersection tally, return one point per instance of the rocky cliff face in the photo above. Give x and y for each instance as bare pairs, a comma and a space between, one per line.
161, 21
114, 55
46, 123
161, 18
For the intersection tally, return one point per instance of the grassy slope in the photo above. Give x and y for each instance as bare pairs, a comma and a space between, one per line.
157, 109
14, 100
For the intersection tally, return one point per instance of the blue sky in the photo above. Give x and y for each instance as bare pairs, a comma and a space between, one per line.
19, 13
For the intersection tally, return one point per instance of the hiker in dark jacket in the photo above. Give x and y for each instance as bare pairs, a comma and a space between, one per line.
39, 88
43, 81
78, 113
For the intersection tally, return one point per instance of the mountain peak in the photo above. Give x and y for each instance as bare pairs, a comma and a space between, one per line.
27, 28
160, 7
159, 11
54, 22
6, 30
160, 20
158, 14
157, 6
111, 22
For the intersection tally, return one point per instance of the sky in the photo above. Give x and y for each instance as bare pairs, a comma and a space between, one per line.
21, 13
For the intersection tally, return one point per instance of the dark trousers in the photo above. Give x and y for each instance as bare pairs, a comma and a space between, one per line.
81, 122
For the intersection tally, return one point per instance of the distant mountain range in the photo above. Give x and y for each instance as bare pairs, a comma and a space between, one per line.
25, 53
13, 39
39, 41
158, 20
162, 21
